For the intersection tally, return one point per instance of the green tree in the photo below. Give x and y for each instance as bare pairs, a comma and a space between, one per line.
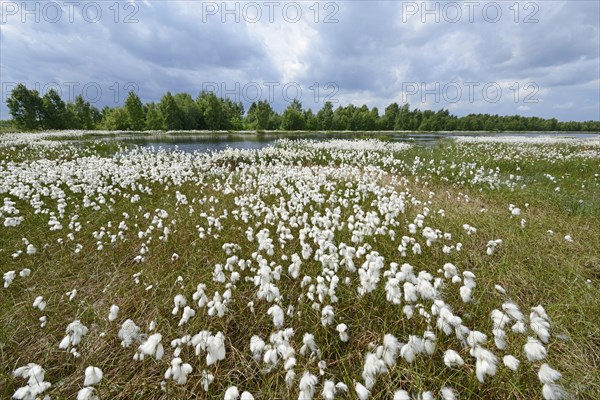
96, 116
374, 121
81, 110
389, 116
154, 118
171, 113
233, 114
275, 121
402, 121
361, 119
310, 121
259, 115
190, 112
293, 118
54, 111
341, 121
212, 110
116, 119
428, 124
325, 117
250, 121
135, 112
26, 107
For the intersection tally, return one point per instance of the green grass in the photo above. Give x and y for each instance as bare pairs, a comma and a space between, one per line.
532, 266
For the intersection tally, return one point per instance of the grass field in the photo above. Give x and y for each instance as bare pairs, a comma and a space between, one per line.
343, 269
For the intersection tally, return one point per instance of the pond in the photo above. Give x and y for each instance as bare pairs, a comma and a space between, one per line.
220, 141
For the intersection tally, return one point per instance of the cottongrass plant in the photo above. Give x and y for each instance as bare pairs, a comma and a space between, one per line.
36, 385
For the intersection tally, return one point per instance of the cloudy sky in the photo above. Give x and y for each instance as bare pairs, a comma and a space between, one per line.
531, 58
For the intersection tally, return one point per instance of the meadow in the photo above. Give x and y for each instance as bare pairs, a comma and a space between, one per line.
308, 269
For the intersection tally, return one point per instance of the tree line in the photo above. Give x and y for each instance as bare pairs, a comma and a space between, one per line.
181, 111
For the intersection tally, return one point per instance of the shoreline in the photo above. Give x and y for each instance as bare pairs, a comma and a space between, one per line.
79, 134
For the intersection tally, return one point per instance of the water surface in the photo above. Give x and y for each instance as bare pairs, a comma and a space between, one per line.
221, 141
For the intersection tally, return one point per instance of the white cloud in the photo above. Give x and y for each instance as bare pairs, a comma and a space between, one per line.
565, 106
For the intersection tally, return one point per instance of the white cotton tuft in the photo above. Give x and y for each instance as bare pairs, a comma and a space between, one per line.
391, 346
486, 363
448, 393
289, 363
519, 327
341, 387
257, 345
87, 393
246, 396
188, 313
426, 396
539, 311
343, 331
511, 362
362, 392
206, 379
491, 246
178, 302
278, 316
534, 350
513, 311
401, 395
327, 315
114, 313
39, 303
465, 294
548, 375
31, 249
35, 382
452, 359
410, 292
215, 348
416, 249
499, 338
410, 350
499, 319
308, 343
500, 289
129, 333
290, 377
74, 332
307, 386
372, 367
93, 375
450, 270
475, 337
152, 347
8, 278
540, 326
328, 391
408, 311
72, 294
231, 393
552, 391
64, 344
322, 366
178, 371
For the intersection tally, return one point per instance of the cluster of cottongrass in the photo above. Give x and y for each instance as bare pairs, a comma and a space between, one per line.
311, 239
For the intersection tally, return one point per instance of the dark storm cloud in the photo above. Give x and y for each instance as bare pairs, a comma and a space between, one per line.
371, 54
